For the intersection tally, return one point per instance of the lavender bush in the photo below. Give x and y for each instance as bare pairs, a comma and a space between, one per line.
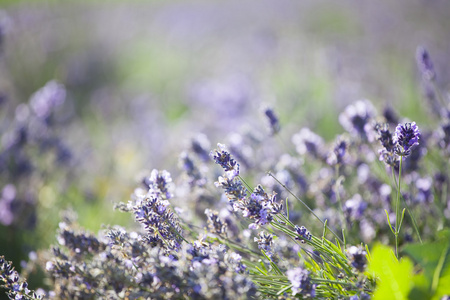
251, 244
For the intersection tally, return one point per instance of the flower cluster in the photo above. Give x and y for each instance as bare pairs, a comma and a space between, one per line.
128, 267
303, 233
387, 153
234, 189
153, 212
215, 224
356, 118
10, 280
301, 282
306, 141
338, 153
223, 158
78, 243
406, 137
158, 183
33, 125
265, 242
259, 206
358, 258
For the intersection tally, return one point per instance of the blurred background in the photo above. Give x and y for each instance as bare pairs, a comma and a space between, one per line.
93, 93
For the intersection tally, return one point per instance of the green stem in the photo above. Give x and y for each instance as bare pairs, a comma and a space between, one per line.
249, 188
413, 219
306, 205
397, 207
338, 197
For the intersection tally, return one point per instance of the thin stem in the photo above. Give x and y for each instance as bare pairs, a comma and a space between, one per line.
338, 197
306, 205
413, 219
397, 207
249, 188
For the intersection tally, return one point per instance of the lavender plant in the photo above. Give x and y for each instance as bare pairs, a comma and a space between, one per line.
33, 152
270, 224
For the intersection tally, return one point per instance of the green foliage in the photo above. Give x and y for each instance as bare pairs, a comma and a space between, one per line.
434, 262
394, 278
429, 279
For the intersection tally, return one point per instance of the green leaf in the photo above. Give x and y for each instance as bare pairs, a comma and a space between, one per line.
420, 289
394, 278
434, 259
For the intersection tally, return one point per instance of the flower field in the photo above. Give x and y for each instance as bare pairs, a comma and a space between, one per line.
224, 150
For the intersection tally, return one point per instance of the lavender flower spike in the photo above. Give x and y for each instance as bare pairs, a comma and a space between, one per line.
425, 64
273, 119
406, 136
223, 158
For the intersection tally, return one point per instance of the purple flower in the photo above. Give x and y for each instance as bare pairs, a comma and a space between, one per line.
194, 175
338, 154
158, 183
273, 120
215, 224
306, 141
406, 136
301, 282
354, 208
303, 233
200, 145
425, 64
42, 102
260, 206
357, 257
234, 189
154, 213
223, 158
265, 242
355, 119
443, 135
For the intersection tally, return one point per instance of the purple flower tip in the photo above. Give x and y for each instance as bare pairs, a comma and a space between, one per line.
407, 136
